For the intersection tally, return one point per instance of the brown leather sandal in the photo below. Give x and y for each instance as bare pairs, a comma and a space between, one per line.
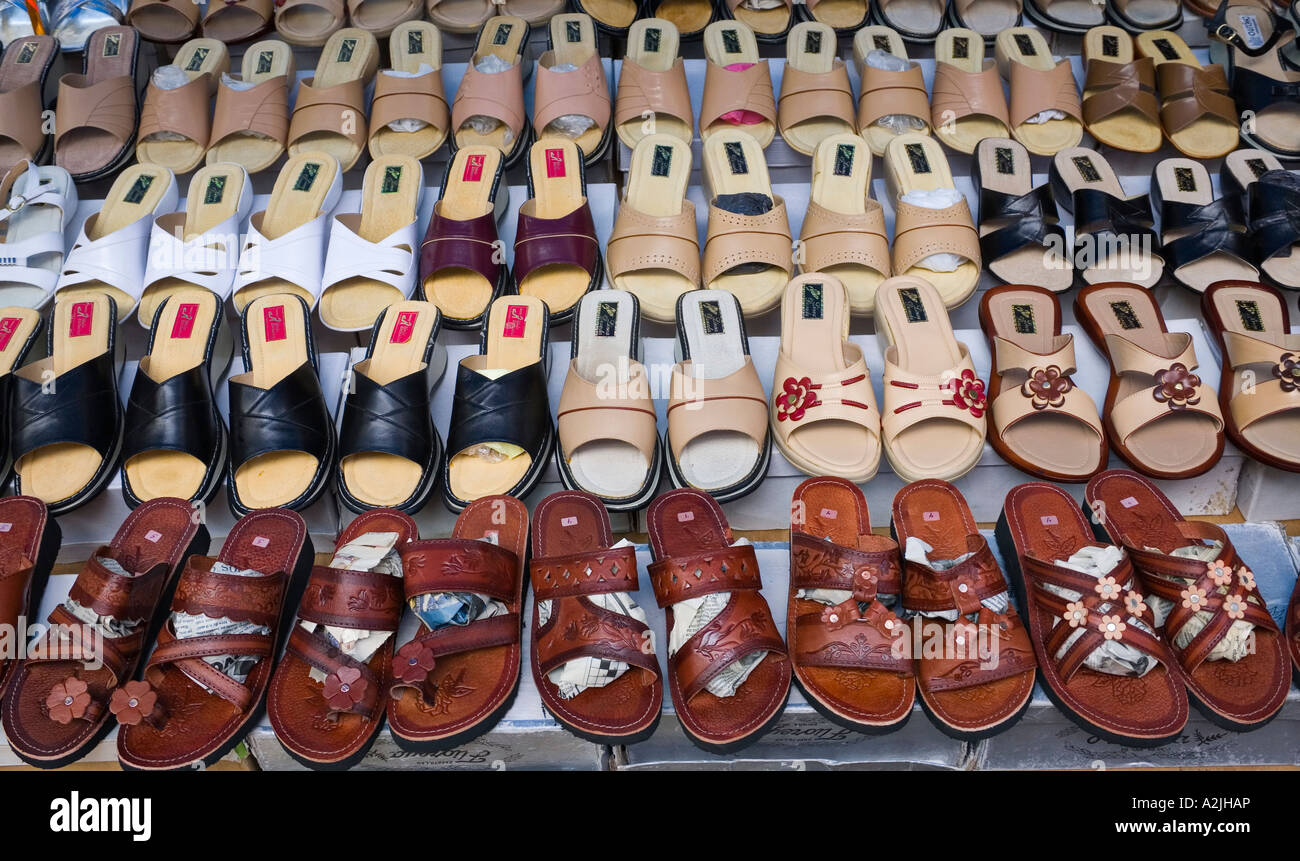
98, 113
1212, 616
1100, 655
725, 695
23, 69
192, 705
1293, 631
1120, 108
262, 109
590, 659
326, 706
237, 20
844, 658
29, 544
455, 682
184, 111
1159, 417
329, 111
58, 704
982, 683
816, 97
1042, 423
1197, 111
166, 21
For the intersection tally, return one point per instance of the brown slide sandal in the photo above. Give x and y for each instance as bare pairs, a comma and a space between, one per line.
454, 683
1228, 647
326, 705
329, 111
189, 711
98, 112
57, 706
968, 104
844, 658
737, 85
249, 126
583, 613
1259, 388
459, 16
653, 79
184, 111
983, 679
816, 96
23, 69
165, 21
771, 23
410, 95
1038, 83
725, 697
309, 23
1159, 417
1120, 108
1196, 108
1073, 614
29, 545
1043, 423
237, 20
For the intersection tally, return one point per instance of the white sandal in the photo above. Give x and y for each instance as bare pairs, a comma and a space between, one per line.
39, 202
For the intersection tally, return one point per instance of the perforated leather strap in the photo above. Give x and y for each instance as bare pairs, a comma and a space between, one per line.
460, 565
588, 573
727, 569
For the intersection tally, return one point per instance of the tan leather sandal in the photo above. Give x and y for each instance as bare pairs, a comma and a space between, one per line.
237, 20
652, 79
583, 92
843, 229
459, 16
886, 95
737, 85
498, 96
1120, 107
185, 110
1159, 416
166, 21
1039, 84
329, 111
934, 412
1043, 423
98, 114
816, 97
382, 19
410, 95
771, 23
23, 69
309, 23
1196, 106
262, 110
968, 104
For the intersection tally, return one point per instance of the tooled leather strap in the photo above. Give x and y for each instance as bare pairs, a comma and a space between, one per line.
122, 597
810, 95
15, 573
340, 109
966, 666
641, 90
108, 105
182, 111
1036, 90
364, 600
837, 238
725, 569
1191, 94
203, 592
865, 571
1117, 87
843, 636
460, 565
187, 656
961, 587
313, 649
70, 639
748, 89
590, 572
744, 626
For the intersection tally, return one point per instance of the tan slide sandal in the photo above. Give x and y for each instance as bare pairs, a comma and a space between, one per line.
823, 410
410, 97
653, 79
1039, 83
183, 111
382, 17
1196, 108
654, 248
1202, 240
495, 95
968, 104
737, 85
309, 23
1159, 417
1042, 423
1120, 107
459, 16
933, 421
249, 125
843, 230
237, 20
816, 97
890, 103
583, 93
769, 21
329, 112
748, 249
940, 245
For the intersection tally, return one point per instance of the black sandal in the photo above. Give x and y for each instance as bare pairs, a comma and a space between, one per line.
1011, 222
1202, 239
1268, 195
1262, 74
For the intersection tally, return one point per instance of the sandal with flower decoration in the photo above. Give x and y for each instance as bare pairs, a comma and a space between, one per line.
839, 626
933, 418
329, 692
1101, 658
1215, 621
458, 676
589, 657
1159, 417
1043, 423
982, 682
205, 680
58, 704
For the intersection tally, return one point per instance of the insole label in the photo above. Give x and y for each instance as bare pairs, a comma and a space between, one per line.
28, 52
685, 516
215, 191
138, 189
813, 307
1247, 309
112, 44
881, 43
555, 164
1110, 46
651, 43
1257, 166
265, 61
1004, 160
913, 307
186, 314
83, 317
662, 161
1049, 520
844, 159
812, 43
573, 31
346, 50
306, 177
1086, 170
1022, 318
731, 41
8, 326
960, 48
1128, 502
473, 169
1166, 48
196, 62
516, 321
1251, 32
502, 35
606, 319
711, 317
404, 326
1025, 45
153, 536
415, 42
829, 514
916, 155
736, 158
930, 516
568, 521
392, 180
273, 323
1185, 179
1124, 313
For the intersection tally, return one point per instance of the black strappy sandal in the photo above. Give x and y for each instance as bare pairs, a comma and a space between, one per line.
1260, 97
1191, 232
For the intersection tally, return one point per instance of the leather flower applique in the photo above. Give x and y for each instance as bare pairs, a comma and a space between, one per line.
837, 616
1193, 598
68, 700
1176, 386
1220, 572
1134, 604
135, 702
797, 397
344, 688
413, 662
1046, 387
1112, 627
1075, 613
1235, 605
968, 393
1107, 588
1246, 578
1287, 371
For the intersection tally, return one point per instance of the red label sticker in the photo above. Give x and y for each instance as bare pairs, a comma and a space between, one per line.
473, 168
8, 326
1048, 519
274, 318
555, 164
929, 516
516, 320
404, 326
1128, 502
830, 513
685, 516
83, 314
184, 325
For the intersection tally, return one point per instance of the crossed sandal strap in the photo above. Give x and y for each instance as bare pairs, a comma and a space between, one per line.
289, 416
885, 93
641, 89
1273, 212
1176, 388
480, 401
959, 94
582, 92
697, 406
350, 685
70, 639
1036, 90
734, 239
837, 238
400, 408
294, 257
1101, 215
499, 96
182, 111
340, 109
641, 242
1118, 87
725, 91
87, 400
579, 628
1191, 94
1219, 227
1032, 220
1048, 388
957, 394
589, 411
1279, 392
920, 231
964, 668
187, 656
962, 587
207, 259
172, 415
808, 397
409, 98
814, 95
262, 109
112, 259
389, 260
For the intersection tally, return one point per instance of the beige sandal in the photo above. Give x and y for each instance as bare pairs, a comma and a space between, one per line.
410, 97
498, 96
1039, 83
249, 126
816, 97
583, 92
888, 99
329, 112
652, 80
737, 85
968, 104
183, 111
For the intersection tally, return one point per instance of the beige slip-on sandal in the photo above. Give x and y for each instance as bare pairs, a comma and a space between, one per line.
410, 95
887, 99
329, 111
249, 126
1039, 83
816, 97
652, 80
184, 111
968, 104
737, 85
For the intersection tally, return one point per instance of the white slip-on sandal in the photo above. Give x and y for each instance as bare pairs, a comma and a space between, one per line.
39, 203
